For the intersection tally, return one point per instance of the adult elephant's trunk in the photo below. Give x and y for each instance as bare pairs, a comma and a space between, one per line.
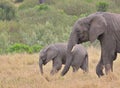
72, 41
40, 65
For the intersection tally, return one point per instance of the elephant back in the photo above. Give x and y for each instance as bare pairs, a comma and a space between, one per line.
79, 49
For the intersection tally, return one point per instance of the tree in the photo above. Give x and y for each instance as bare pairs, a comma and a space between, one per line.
102, 6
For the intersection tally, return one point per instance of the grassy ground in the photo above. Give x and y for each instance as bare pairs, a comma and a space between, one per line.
22, 71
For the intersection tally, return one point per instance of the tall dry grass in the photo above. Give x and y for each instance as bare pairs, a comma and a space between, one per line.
22, 71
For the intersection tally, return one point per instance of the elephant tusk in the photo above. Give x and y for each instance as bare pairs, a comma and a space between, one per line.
73, 48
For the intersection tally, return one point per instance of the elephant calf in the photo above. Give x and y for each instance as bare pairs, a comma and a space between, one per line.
58, 52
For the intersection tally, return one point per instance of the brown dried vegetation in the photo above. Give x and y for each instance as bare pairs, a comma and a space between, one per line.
22, 71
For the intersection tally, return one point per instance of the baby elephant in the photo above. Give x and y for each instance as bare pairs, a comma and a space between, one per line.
58, 52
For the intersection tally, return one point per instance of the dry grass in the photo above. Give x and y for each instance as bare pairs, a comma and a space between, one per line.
22, 71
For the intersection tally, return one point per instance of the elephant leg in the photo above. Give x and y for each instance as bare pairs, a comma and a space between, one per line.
108, 52
75, 69
108, 68
104, 62
114, 58
84, 65
57, 64
99, 68
109, 65
53, 71
108, 61
112, 66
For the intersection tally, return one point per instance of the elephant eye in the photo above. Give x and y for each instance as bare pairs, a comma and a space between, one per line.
43, 56
79, 32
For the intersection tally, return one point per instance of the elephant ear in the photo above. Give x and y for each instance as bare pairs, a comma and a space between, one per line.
52, 52
97, 27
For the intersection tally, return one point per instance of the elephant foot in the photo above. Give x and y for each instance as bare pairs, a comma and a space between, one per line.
99, 71
108, 69
75, 69
53, 71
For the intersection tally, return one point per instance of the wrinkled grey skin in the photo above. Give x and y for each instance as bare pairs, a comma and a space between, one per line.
57, 53
103, 26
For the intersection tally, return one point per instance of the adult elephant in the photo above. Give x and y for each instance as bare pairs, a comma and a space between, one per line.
103, 26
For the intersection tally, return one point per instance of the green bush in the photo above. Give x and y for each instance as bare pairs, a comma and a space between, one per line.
38, 25
33, 26
17, 1
102, 6
76, 7
7, 11
28, 4
36, 48
4, 42
42, 7
50, 2
19, 48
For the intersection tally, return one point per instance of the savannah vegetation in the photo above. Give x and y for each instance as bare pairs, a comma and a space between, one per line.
27, 26
22, 71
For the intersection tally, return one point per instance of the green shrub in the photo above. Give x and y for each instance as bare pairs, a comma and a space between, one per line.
38, 25
17, 1
19, 48
50, 2
7, 11
42, 7
89, 1
4, 42
36, 48
76, 7
102, 6
28, 4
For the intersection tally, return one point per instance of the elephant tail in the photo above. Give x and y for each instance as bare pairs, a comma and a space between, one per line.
67, 65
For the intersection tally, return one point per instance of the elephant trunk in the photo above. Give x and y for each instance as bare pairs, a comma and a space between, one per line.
73, 40
41, 65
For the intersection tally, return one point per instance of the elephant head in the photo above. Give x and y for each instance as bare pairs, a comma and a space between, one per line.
46, 55
85, 29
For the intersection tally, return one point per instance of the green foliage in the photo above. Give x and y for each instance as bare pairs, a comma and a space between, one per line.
102, 6
76, 7
17, 1
116, 2
37, 25
89, 0
42, 7
7, 11
36, 48
21, 48
28, 4
50, 2
3, 42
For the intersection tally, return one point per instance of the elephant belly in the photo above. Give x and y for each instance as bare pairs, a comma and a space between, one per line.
118, 41
77, 60
63, 60
118, 48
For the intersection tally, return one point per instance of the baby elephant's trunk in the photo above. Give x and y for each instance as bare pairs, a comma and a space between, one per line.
41, 65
